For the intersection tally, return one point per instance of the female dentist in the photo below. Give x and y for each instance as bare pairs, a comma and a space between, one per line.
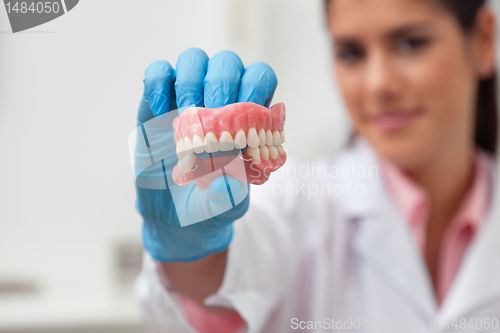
399, 231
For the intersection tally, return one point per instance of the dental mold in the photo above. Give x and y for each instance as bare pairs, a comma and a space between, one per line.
257, 130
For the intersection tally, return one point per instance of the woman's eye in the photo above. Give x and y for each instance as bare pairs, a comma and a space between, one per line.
412, 44
349, 55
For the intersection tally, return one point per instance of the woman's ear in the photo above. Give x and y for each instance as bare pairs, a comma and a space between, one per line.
484, 37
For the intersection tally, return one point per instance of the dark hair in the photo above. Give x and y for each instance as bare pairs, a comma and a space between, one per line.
486, 128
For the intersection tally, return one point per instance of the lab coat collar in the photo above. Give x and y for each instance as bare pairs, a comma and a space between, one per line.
384, 241
382, 237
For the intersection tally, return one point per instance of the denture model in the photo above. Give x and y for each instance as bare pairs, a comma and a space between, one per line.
220, 133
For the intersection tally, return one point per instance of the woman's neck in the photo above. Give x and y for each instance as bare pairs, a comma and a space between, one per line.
446, 180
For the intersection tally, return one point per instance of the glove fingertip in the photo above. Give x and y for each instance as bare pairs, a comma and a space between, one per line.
159, 70
258, 84
223, 79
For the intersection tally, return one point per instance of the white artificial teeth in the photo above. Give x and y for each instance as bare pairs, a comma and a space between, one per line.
253, 139
262, 137
280, 149
188, 162
269, 138
188, 146
180, 154
180, 163
264, 152
240, 140
273, 151
254, 153
198, 144
180, 149
282, 134
226, 141
211, 143
276, 138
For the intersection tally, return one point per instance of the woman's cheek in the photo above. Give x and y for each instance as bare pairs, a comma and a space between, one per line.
351, 90
448, 100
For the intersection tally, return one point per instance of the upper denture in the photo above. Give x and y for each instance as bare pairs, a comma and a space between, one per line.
234, 126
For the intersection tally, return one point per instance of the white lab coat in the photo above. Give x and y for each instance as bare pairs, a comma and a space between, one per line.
347, 258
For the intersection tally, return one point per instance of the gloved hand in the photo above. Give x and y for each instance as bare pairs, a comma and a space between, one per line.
197, 81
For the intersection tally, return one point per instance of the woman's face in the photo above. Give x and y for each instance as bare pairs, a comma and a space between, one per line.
408, 75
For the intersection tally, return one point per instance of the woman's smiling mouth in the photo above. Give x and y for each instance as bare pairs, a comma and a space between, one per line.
393, 120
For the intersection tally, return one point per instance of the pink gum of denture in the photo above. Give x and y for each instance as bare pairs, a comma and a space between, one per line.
231, 118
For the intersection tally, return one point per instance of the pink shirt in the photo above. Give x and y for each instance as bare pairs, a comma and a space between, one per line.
413, 203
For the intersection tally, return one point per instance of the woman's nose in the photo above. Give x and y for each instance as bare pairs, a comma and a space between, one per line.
381, 79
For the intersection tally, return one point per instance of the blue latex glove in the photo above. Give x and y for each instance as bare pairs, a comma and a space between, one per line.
210, 83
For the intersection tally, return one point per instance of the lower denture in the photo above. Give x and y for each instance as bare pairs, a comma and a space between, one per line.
234, 126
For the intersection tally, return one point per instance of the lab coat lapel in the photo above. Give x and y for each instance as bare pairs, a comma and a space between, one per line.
385, 242
478, 278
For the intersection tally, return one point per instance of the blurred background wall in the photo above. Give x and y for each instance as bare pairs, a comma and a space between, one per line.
69, 92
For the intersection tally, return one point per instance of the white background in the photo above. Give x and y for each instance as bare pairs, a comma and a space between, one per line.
69, 92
